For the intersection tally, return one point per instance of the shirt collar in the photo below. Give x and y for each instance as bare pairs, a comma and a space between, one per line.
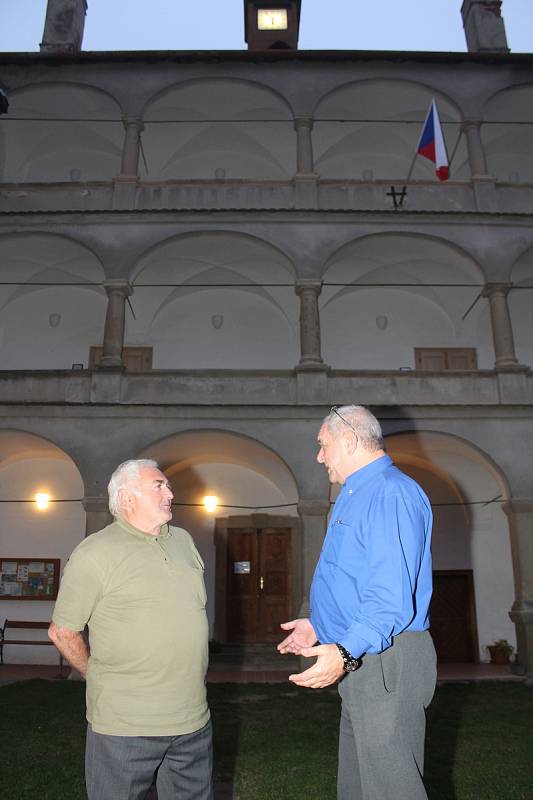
164, 532
366, 473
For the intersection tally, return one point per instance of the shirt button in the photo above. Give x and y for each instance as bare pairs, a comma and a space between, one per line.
350, 491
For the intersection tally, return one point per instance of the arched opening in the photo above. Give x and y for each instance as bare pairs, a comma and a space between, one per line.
396, 292
33, 539
219, 129
251, 543
56, 311
204, 301
381, 123
473, 572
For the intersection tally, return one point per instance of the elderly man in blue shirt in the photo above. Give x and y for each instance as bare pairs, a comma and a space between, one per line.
370, 613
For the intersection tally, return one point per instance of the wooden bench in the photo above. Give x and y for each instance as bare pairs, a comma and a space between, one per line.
19, 624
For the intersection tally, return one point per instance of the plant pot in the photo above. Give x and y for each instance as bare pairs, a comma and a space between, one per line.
498, 655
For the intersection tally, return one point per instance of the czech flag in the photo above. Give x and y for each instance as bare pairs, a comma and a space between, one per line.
431, 144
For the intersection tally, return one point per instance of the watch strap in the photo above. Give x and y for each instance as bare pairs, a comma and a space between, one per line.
350, 663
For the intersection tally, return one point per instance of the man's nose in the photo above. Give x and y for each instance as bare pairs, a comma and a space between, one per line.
169, 492
320, 456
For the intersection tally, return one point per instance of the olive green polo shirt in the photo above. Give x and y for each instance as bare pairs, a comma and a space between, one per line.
143, 598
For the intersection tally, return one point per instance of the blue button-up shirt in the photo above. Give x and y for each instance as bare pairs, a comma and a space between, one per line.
373, 579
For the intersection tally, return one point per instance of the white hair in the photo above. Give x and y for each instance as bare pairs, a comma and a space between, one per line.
123, 477
361, 421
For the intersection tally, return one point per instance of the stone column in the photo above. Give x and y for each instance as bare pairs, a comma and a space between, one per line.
520, 513
308, 290
131, 148
502, 332
303, 127
314, 515
96, 513
476, 153
117, 291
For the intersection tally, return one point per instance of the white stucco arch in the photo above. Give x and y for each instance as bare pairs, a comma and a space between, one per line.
64, 131
44, 323
219, 128
508, 144
415, 284
217, 288
520, 300
247, 476
384, 118
30, 463
470, 530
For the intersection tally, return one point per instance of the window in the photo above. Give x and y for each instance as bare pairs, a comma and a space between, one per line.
442, 359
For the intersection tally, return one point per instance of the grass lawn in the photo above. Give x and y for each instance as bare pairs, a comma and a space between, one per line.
278, 742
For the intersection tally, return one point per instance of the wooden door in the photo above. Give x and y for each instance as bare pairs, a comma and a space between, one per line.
258, 583
452, 615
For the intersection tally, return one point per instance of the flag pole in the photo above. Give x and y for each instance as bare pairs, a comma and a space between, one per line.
411, 168
454, 151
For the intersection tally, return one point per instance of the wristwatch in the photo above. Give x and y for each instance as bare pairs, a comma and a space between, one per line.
350, 663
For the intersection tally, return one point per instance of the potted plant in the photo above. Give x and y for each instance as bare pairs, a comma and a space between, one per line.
500, 651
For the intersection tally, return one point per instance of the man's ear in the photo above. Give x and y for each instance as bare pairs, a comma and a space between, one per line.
350, 442
125, 499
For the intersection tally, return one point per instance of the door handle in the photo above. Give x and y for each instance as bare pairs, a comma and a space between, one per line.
261, 582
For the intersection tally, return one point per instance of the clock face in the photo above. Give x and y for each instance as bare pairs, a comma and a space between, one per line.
272, 19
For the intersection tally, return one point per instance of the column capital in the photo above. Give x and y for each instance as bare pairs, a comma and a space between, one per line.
313, 507
497, 288
303, 121
469, 124
118, 285
314, 284
131, 121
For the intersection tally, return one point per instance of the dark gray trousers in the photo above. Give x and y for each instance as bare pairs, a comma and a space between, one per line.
383, 722
123, 767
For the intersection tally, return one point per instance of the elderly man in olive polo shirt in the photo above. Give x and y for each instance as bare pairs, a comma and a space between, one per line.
139, 586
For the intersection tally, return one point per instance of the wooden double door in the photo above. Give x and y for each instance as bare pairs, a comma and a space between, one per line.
258, 583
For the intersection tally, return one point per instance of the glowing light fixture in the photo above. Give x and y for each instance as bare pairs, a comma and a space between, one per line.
42, 499
210, 502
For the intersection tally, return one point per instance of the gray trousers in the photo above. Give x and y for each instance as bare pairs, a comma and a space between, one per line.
383, 722
123, 767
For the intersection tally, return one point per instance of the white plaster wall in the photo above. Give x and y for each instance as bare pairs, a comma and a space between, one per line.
352, 340
26, 532
507, 147
254, 334
383, 120
28, 340
493, 577
233, 129
475, 536
67, 127
521, 310
231, 483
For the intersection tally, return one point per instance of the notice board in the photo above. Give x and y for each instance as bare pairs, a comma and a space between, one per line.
29, 578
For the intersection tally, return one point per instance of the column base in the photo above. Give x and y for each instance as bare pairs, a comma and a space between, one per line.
312, 366
510, 366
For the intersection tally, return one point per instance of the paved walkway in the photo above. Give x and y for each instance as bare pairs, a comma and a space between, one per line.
224, 671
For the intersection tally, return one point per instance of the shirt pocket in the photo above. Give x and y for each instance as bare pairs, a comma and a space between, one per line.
345, 549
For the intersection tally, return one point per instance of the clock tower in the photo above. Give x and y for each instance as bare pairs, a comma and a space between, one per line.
271, 25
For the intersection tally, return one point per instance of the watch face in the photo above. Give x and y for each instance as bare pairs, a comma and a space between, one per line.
272, 19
